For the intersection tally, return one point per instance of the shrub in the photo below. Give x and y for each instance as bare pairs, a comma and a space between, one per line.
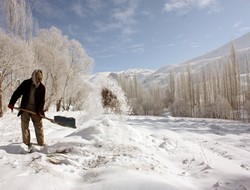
110, 101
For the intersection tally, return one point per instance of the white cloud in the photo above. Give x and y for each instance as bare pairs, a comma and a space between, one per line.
85, 8
78, 9
147, 13
164, 45
106, 56
244, 30
194, 45
47, 9
122, 18
72, 29
128, 31
184, 5
179, 36
137, 48
95, 5
171, 45
119, 2
103, 27
205, 3
126, 16
237, 24
189, 43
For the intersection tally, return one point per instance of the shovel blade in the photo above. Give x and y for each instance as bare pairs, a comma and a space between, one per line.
65, 121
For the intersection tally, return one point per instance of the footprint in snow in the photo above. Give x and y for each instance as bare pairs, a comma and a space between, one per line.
243, 187
245, 166
185, 161
168, 144
217, 185
207, 167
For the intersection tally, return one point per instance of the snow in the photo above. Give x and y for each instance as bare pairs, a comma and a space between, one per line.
127, 153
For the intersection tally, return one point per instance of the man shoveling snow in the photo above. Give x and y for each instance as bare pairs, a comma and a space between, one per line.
33, 98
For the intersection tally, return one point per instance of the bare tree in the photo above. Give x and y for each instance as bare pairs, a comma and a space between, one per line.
15, 55
236, 85
1, 96
79, 64
247, 91
19, 18
50, 48
171, 88
204, 88
11, 9
190, 90
134, 92
65, 62
197, 94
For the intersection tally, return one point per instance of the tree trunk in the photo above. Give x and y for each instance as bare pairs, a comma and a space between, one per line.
58, 105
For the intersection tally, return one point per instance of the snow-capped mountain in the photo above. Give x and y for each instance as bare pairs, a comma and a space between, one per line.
242, 45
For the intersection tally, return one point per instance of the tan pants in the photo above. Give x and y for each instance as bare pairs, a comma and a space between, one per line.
37, 122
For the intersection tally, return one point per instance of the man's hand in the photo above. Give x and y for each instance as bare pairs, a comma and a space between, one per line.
11, 107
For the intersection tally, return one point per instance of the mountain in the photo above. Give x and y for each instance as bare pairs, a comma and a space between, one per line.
242, 43
149, 77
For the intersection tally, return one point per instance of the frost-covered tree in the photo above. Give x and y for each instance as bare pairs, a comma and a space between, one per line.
190, 89
134, 92
247, 89
50, 52
170, 95
220, 108
197, 95
79, 64
64, 61
204, 87
184, 94
235, 82
11, 9
154, 99
138, 100
19, 18
150, 100
16, 61
180, 108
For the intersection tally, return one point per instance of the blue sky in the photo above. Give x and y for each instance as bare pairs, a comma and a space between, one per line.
128, 34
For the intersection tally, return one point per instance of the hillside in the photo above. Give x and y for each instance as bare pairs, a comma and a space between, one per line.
159, 76
242, 43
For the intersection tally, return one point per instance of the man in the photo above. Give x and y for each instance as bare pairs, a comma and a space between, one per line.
33, 98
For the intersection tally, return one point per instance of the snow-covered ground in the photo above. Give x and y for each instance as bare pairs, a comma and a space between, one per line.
127, 153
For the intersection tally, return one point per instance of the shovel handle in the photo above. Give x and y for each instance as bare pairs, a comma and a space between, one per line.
33, 113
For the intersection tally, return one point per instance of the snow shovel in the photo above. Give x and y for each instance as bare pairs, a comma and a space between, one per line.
60, 120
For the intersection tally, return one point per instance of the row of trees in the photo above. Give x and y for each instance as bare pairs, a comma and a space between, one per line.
64, 62
144, 101
215, 91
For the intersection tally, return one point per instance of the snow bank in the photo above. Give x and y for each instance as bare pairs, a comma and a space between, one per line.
107, 152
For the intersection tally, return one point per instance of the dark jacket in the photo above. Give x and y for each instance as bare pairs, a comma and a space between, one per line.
24, 91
